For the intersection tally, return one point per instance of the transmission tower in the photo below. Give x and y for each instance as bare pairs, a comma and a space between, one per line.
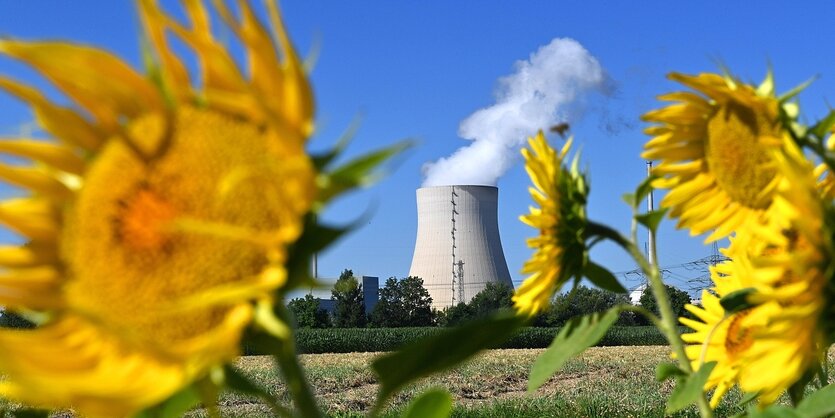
460, 272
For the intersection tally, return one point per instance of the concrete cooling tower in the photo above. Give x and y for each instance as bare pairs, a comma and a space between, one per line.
458, 249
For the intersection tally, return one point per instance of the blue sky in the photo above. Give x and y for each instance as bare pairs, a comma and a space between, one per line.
417, 69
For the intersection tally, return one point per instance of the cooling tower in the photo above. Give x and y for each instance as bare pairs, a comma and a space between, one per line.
458, 249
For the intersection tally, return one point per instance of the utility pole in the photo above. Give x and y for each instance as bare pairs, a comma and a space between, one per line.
314, 262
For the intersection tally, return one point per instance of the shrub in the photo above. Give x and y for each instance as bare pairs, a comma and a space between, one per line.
348, 340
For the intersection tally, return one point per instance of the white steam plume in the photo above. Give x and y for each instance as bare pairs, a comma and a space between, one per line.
538, 94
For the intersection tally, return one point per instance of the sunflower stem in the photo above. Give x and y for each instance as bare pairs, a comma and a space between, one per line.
667, 322
293, 374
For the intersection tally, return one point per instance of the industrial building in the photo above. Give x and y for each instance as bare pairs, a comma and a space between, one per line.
458, 249
370, 294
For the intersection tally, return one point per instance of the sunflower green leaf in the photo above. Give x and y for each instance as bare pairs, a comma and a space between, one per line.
575, 337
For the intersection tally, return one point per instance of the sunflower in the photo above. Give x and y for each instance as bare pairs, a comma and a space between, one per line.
560, 218
157, 216
718, 339
783, 257
714, 152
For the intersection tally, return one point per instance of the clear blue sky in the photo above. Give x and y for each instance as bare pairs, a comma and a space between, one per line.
417, 69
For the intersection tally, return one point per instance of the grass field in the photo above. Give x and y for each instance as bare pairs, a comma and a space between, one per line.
603, 382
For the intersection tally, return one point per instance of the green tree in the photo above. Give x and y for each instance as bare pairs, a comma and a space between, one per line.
308, 314
387, 312
417, 304
493, 297
349, 309
678, 298
403, 303
455, 315
583, 301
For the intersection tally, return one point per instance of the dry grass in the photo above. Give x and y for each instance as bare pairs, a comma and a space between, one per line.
604, 381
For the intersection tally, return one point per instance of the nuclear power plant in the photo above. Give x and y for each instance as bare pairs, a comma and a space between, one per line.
458, 249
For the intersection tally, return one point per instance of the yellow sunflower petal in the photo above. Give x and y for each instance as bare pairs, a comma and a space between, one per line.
546, 266
219, 71
174, 74
30, 255
135, 306
298, 96
63, 123
54, 155
34, 218
36, 180
101, 83
715, 152
782, 254
32, 288
74, 363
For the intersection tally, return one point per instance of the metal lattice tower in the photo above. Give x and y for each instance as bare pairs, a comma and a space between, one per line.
455, 280
461, 280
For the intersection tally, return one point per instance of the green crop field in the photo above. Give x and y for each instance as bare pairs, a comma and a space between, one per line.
603, 382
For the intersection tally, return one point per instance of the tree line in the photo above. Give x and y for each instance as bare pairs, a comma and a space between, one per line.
406, 303
401, 303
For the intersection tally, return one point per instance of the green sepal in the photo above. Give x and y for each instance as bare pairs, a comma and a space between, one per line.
441, 352
727, 76
795, 91
641, 192
799, 130
791, 109
315, 237
321, 161
689, 388
824, 125
575, 164
434, 403
175, 406
820, 403
630, 200
575, 337
357, 172
664, 371
603, 278
737, 301
651, 220
766, 88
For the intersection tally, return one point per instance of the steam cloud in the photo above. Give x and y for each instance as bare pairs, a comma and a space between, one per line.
544, 90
